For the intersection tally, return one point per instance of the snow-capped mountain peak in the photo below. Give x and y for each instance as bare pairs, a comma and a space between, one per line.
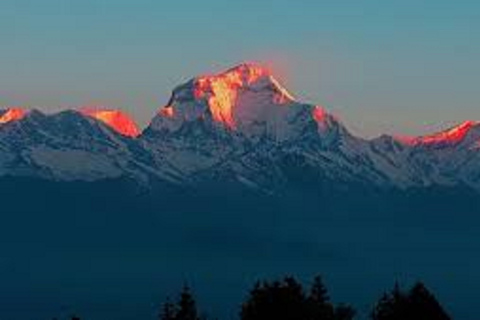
246, 99
239, 126
116, 119
450, 136
12, 114
226, 93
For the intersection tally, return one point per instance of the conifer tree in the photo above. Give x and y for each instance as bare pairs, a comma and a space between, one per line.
187, 307
319, 301
169, 311
418, 303
423, 305
286, 300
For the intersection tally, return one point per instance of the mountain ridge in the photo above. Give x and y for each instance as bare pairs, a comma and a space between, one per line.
240, 126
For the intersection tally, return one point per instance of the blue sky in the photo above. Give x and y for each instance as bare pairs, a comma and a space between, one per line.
405, 67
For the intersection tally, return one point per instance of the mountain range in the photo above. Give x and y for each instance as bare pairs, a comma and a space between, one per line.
240, 128
232, 180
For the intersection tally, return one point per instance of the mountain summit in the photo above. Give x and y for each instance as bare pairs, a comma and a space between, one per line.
12, 114
246, 99
239, 127
238, 93
116, 119
452, 135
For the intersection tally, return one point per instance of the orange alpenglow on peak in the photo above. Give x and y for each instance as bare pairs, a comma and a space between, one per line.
222, 90
117, 120
452, 135
320, 116
12, 114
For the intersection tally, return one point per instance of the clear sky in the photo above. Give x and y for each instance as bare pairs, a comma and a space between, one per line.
403, 67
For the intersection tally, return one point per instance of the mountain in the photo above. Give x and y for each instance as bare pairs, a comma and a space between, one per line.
69, 146
243, 126
233, 174
239, 128
11, 114
116, 119
448, 158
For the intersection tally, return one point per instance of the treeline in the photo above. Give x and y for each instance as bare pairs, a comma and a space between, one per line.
287, 299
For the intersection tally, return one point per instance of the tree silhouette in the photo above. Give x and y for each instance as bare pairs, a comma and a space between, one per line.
169, 311
185, 309
418, 303
424, 305
280, 300
286, 300
319, 301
